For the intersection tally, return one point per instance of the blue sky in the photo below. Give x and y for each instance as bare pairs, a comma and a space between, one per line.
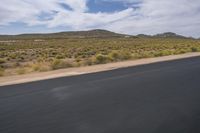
105, 6
123, 16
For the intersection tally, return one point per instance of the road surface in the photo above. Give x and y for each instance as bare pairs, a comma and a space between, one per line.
157, 98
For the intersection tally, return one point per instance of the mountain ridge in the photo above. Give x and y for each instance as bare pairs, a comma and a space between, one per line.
165, 35
96, 33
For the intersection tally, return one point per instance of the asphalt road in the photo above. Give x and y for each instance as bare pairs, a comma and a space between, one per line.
156, 98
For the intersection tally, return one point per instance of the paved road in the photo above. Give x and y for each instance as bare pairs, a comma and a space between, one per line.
156, 98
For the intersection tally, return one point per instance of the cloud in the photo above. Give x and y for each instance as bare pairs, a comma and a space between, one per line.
78, 20
27, 11
150, 16
153, 16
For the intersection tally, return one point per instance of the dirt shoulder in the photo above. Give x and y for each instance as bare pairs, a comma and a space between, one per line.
10, 80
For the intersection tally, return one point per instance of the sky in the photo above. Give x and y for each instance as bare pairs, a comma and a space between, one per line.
122, 16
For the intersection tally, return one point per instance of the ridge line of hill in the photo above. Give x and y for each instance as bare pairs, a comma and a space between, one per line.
96, 33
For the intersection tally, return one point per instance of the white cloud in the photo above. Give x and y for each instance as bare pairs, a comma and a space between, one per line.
27, 11
152, 16
79, 20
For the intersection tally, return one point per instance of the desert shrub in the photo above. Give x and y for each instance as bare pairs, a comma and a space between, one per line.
87, 62
143, 55
13, 56
21, 71
58, 64
158, 54
162, 53
41, 67
60, 56
114, 55
78, 59
166, 52
119, 55
20, 58
16, 64
36, 67
2, 60
99, 59
180, 51
40, 59
125, 55
194, 49
2, 72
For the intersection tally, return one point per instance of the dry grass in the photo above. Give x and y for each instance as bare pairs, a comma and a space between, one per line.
25, 56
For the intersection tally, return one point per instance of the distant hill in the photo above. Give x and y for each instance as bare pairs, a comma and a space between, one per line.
71, 34
170, 35
97, 33
164, 35
143, 36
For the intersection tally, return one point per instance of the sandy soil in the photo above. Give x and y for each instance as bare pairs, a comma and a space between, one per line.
10, 80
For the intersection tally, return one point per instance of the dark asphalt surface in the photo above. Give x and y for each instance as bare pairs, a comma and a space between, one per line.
156, 98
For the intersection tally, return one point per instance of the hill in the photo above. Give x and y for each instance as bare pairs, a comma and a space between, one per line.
167, 35
170, 35
143, 36
71, 34
97, 33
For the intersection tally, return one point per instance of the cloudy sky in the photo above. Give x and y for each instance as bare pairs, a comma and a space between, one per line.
123, 16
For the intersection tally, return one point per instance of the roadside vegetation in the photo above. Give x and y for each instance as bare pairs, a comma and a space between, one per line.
28, 55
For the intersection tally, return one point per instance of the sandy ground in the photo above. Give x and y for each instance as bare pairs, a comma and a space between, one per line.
10, 80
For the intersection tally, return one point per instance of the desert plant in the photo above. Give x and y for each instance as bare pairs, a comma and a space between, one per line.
100, 58
41, 67
57, 64
60, 56
2, 71
162, 53
2, 60
114, 55
125, 55
87, 62
194, 49
21, 71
